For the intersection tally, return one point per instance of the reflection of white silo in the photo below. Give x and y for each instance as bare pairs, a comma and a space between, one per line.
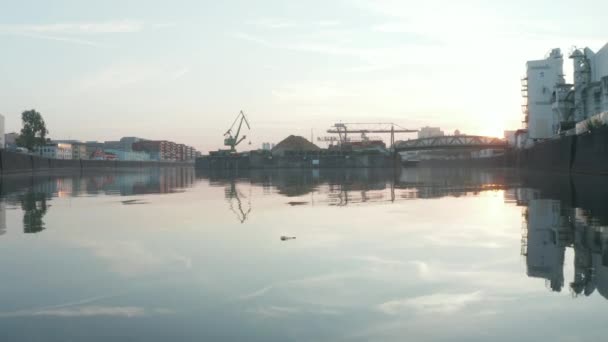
583, 281
545, 256
601, 275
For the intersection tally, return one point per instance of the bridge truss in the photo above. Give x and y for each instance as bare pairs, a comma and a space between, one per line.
450, 142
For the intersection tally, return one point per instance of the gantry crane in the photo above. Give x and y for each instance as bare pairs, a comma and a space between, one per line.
342, 130
233, 140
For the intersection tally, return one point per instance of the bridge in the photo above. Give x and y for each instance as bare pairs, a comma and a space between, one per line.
472, 142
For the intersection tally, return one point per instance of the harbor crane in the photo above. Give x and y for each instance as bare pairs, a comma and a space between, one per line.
343, 129
233, 140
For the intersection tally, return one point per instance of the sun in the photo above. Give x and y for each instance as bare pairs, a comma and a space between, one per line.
496, 132
492, 128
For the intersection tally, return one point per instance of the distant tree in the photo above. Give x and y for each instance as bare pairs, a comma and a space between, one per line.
33, 133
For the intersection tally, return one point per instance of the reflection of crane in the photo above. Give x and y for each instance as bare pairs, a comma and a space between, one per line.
234, 193
231, 140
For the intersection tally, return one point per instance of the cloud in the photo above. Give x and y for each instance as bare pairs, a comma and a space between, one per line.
258, 293
125, 75
73, 32
309, 92
120, 26
329, 280
61, 39
130, 258
373, 259
328, 23
90, 311
423, 269
274, 24
274, 311
254, 39
436, 303
179, 73
392, 27
428, 51
82, 308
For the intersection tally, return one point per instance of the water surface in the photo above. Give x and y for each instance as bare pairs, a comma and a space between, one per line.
378, 255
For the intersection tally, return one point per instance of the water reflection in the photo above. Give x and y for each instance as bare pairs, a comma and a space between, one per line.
33, 193
374, 260
235, 199
2, 218
342, 187
560, 213
34, 206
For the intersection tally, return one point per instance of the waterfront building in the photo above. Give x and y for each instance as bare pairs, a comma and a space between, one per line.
590, 82
92, 147
128, 155
552, 106
10, 140
160, 150
129, 141
124, 144
55, 150
164, 150
510, 137
180, 152
100, 154
428, 132
542, 77
79, 149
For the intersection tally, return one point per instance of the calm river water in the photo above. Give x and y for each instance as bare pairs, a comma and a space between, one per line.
416, 254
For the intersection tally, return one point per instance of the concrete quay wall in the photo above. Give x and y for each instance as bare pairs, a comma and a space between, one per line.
13, 163
295, 161
586, 153
591, 152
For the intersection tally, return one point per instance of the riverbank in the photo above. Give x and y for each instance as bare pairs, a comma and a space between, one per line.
14, 163
585, 153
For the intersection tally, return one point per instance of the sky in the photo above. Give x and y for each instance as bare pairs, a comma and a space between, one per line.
182, 70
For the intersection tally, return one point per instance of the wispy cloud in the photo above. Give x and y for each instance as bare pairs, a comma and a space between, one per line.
179, 73
271, 23
339, 43
83, 308
131, 258
60, 39
436, 303
275, 311
121, 76
90, 311
328, 23
73, 32
120, 26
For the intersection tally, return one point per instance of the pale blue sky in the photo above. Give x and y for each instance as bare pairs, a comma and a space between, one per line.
181, 70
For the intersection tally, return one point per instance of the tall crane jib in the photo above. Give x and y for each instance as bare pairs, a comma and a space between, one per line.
343, 129
232, 139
